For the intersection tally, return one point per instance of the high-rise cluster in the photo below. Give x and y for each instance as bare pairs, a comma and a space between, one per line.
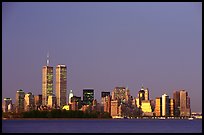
118, 103
48, 97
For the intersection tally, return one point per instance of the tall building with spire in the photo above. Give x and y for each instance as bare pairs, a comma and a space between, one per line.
61, 85
47, 82
70, 96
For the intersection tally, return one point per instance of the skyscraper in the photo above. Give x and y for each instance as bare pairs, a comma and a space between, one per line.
171, 107
120, 93
47, 82
141, 95
20, 94
184, 103
29, 103
165, 105
88, 96
7, 103
158, 106
176, 97
61, 85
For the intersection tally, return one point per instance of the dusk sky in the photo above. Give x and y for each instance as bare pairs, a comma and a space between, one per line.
104, 45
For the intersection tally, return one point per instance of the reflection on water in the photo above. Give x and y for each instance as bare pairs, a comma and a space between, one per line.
102, 126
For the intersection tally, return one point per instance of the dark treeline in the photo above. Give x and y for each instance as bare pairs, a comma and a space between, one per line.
57, 113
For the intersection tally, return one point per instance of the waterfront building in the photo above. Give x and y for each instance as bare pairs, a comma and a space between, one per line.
176, 97
103, 95
165, 105
115, 109
61, 85
76, 103
158, 106
107, 104
7, 106
152, 103
38, 101
29, 102
121, 94
71, 94
20, 94
141, 95
184, 111
52, 103
47, 82
188, 106
171, 107
146, 94
88, 96
146, 108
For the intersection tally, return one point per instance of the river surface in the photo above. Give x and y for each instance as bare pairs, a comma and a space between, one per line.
102, 126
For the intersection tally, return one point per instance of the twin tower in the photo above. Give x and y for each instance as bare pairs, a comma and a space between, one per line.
48, 96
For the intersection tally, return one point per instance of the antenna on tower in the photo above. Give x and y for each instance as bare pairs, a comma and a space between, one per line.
48, 59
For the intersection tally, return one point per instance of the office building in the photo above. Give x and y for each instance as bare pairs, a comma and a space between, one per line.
75, 103
88, 96
38, 101
176, 97
171, 107
184, 110
121, 94
146, 108
165, 105
146, 94
158, 106
52, 101
61, 85
103, 95
7, 106
141, 95
47, 82
29, 102
107, 104
116, 109
20, 94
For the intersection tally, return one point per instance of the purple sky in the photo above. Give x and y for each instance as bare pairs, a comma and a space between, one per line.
104, 45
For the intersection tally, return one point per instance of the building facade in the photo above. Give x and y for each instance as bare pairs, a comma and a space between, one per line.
165, 105
158, 106
146, 94
7, 104
61, 85
184, 110
121, 94
47, 83
20, 94
176, 97
38, 101
29, 102
88, 96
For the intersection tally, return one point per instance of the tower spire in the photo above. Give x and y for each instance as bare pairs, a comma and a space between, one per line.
48, 59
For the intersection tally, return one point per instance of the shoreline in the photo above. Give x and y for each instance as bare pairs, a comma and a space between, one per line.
97, 118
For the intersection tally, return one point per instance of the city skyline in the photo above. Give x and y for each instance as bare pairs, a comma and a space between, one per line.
104, 45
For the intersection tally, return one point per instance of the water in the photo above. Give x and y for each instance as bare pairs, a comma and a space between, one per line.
102, 126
